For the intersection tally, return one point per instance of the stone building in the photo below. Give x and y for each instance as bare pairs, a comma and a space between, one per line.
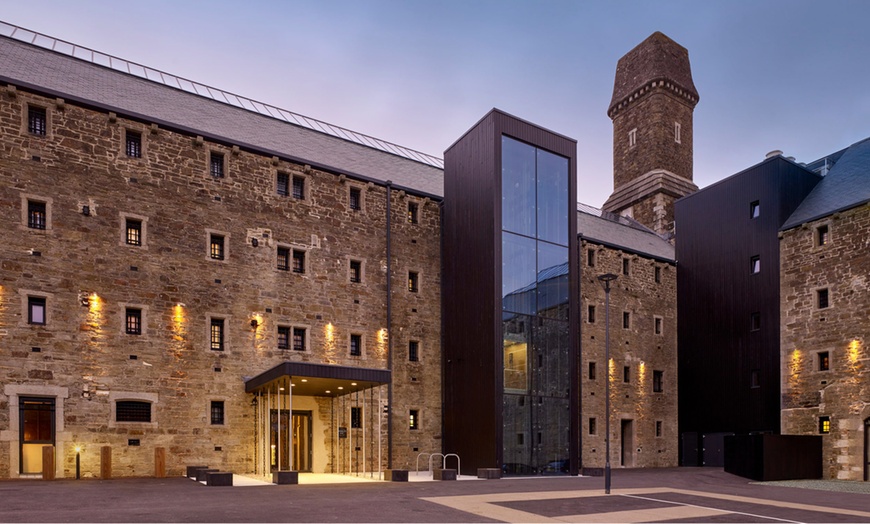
652, 108
643, 343
174, 265
190, 271
825, 300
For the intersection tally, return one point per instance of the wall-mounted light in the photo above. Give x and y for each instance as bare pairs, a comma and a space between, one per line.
255, 242
254, 323
84, 299
86, 211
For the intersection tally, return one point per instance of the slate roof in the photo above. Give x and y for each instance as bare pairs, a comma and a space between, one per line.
656, 57
846, 185
618, 232
77, 80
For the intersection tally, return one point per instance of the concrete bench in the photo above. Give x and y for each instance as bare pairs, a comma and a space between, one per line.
202, 474
219, 478
488, 473
444, 474
191, 470
285, 477
396, 475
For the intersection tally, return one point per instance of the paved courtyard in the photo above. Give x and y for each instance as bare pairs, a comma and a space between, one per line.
670, 495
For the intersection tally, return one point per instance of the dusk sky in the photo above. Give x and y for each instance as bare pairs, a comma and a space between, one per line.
789, 75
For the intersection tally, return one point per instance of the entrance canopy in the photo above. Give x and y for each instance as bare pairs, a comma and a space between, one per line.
320, 380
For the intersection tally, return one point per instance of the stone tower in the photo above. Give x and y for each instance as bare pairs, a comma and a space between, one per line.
652, 106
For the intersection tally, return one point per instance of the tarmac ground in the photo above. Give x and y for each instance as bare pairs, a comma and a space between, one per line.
638, 495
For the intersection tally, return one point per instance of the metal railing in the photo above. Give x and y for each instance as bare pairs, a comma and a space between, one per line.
176, 82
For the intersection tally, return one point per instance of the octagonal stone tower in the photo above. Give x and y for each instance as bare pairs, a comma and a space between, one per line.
653, 101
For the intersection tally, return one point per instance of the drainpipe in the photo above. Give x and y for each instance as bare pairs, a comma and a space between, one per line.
389, 328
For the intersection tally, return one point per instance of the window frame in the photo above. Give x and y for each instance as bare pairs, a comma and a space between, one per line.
823, 361
299, 187
626, 266
632, 137
283, 257
33, 302
626, 374
824, 424
355, 198
678, 133
658, 325
129, 403
592, 426
590, 313
219, 343
413, 281
286, 332
657, 274
31, 110
822, 235
626, 320
293, 335
222, 421
414, 420
592, 370
355, 345
754, 209
413, 351
590, 257
658, 381
26, 200
210, 234
124, 219
755, 321
288, 183
300, 268
822, 295
137, 315
217, 165
131, 136
355, 276
413, 212
755, 265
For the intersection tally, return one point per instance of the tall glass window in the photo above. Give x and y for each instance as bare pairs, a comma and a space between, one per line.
535, 298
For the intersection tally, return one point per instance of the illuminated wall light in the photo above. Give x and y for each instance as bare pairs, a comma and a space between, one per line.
854, 351
329, 348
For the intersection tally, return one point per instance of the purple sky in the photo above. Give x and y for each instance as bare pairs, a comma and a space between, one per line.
789, 75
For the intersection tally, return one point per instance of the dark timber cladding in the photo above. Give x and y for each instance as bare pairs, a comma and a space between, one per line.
728, 310
474, 340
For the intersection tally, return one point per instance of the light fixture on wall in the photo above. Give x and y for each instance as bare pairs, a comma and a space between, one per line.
255, 242
84, 299
86, 210
254, 323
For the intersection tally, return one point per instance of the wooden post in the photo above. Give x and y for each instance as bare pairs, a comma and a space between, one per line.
47, 462
106, 462
160, 462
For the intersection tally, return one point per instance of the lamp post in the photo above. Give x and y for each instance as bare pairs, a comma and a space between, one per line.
605, 280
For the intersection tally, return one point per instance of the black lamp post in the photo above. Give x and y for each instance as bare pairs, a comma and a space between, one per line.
605, 280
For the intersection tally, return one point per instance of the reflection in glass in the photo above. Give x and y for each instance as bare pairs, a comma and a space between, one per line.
518, 273
516, 347
517, 187
552, 281
552, 197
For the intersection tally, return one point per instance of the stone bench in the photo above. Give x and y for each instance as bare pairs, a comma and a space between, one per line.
191, 470
396, 475
488, 473
202, 474
444, 474
219, 478
285, 477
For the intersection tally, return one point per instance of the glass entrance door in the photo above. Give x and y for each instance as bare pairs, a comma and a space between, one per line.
279, 439
36, 419
302, 440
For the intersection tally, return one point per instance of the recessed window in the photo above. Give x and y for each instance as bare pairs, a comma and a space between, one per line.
824, 425
299, 188
413, 212
355, 198
216, 247
658, 325
36, 311
217, 334
356, 345
298, 339
521, 439
755, 265
590, 257
677, 130
133, 321
133, 144
658, 275
626, 373
658, 428
282, 184
355, 417
626, 266
283, 337
216, 165
298, 261
754, 209
822, 298
414, 419
632, 138
824, 360
37, 121
590, 314
657, 381
755, 321
283, 258
132, 411
413, 351
593, 425
822, 235
37, 214
133, 235
217, 412
413, 281
592, 370
754, 379
626, 320
355, 271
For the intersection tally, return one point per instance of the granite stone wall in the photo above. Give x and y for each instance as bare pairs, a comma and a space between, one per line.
90, 277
